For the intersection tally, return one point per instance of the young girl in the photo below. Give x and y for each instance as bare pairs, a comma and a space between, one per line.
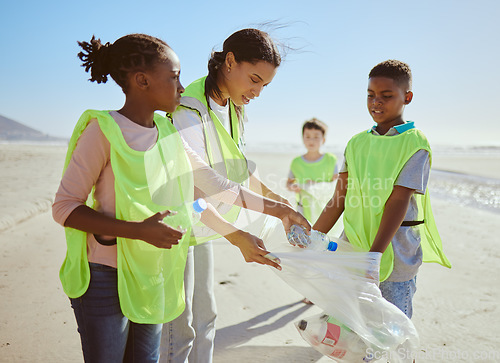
211, 119
124, 267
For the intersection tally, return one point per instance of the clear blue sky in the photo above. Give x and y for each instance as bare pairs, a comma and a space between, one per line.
452, 47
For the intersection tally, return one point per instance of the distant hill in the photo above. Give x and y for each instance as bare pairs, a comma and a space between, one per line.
11, 130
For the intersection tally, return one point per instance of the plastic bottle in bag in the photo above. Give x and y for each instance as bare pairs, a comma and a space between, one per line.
333, 339
195, 209
317, 241
320, 242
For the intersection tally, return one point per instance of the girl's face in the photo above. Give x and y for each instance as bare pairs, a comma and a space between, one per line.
243, 81
165, 87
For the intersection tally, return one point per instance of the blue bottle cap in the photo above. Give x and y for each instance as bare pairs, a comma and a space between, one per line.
199, 205
332, 246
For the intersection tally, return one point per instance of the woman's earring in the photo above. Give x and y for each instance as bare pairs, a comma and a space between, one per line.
228, 70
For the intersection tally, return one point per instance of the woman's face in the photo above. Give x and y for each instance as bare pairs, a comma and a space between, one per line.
243, 81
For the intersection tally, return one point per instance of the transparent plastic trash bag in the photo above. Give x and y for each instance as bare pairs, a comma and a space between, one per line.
344, 284
333, 339
317, 196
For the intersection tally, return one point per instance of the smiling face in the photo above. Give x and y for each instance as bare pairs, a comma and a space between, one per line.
386, 101
244, 81
165, 87
313, 139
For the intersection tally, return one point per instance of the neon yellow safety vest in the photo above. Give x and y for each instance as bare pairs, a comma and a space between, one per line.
150, 279
222, 149
304, 172
374, 163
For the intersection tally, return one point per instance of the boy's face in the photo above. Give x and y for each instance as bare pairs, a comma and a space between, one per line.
313, 139
386, 102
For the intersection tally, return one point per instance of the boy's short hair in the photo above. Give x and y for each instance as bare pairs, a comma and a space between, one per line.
315, 124
398, 71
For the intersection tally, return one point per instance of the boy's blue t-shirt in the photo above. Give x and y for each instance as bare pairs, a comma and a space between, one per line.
406, 241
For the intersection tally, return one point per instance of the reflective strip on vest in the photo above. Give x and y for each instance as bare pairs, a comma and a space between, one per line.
222, 152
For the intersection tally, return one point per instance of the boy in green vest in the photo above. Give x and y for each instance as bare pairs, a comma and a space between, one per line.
311, 168
382, 189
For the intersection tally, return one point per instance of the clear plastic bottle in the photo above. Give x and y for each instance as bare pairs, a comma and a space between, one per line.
333, 339
195, 209
317, 241
297, 236
320, 242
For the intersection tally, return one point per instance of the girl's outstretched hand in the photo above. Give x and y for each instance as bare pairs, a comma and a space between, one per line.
252, 248
157, 233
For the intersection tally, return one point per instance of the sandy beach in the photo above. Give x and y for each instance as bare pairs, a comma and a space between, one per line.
455, 311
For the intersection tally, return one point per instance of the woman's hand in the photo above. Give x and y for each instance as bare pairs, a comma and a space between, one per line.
290, 217
249, 200
252, 248
157, 233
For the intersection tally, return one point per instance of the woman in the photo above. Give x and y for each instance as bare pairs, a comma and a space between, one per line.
211, 119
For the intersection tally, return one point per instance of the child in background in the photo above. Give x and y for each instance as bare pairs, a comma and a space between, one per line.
310, 169
382, 189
